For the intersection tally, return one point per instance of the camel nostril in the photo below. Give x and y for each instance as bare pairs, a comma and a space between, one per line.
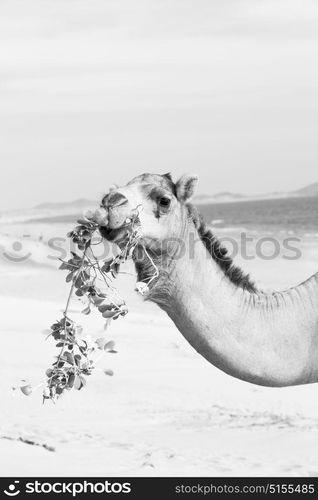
115, 200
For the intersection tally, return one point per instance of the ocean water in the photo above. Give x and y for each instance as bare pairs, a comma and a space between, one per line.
291, 215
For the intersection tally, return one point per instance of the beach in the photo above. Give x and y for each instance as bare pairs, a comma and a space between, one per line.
165, 411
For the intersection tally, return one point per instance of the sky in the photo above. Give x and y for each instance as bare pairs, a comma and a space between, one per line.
94, 92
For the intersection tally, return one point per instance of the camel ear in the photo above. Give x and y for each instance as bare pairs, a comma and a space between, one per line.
185, 187
168, 176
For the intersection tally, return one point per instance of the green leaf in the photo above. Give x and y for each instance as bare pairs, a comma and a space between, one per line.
69, 277
109, 346
64, 266
26, 389
109, 314
77, 359
77, 383
97, 300
78, 281
71, 380
107, 266
69, 357
105, 307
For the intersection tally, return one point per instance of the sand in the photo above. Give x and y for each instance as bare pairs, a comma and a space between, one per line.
166, 411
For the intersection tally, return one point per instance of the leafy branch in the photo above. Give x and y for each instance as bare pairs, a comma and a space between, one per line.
76, 359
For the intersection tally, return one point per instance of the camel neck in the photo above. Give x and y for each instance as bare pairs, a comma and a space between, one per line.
188, 274
201, 301
242, 333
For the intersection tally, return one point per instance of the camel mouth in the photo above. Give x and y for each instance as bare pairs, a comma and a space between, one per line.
115, 235
122, 232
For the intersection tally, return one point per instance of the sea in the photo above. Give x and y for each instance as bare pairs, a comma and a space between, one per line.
290, 215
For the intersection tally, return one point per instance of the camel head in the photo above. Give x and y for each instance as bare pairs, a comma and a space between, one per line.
154, 202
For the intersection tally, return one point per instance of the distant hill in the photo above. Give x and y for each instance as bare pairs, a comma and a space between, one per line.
226, 196
219, 197
311, 190
46, 210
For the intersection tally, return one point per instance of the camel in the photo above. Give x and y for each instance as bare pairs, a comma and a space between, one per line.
268, 339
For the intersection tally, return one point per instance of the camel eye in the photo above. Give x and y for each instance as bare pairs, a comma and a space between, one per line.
164, 202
